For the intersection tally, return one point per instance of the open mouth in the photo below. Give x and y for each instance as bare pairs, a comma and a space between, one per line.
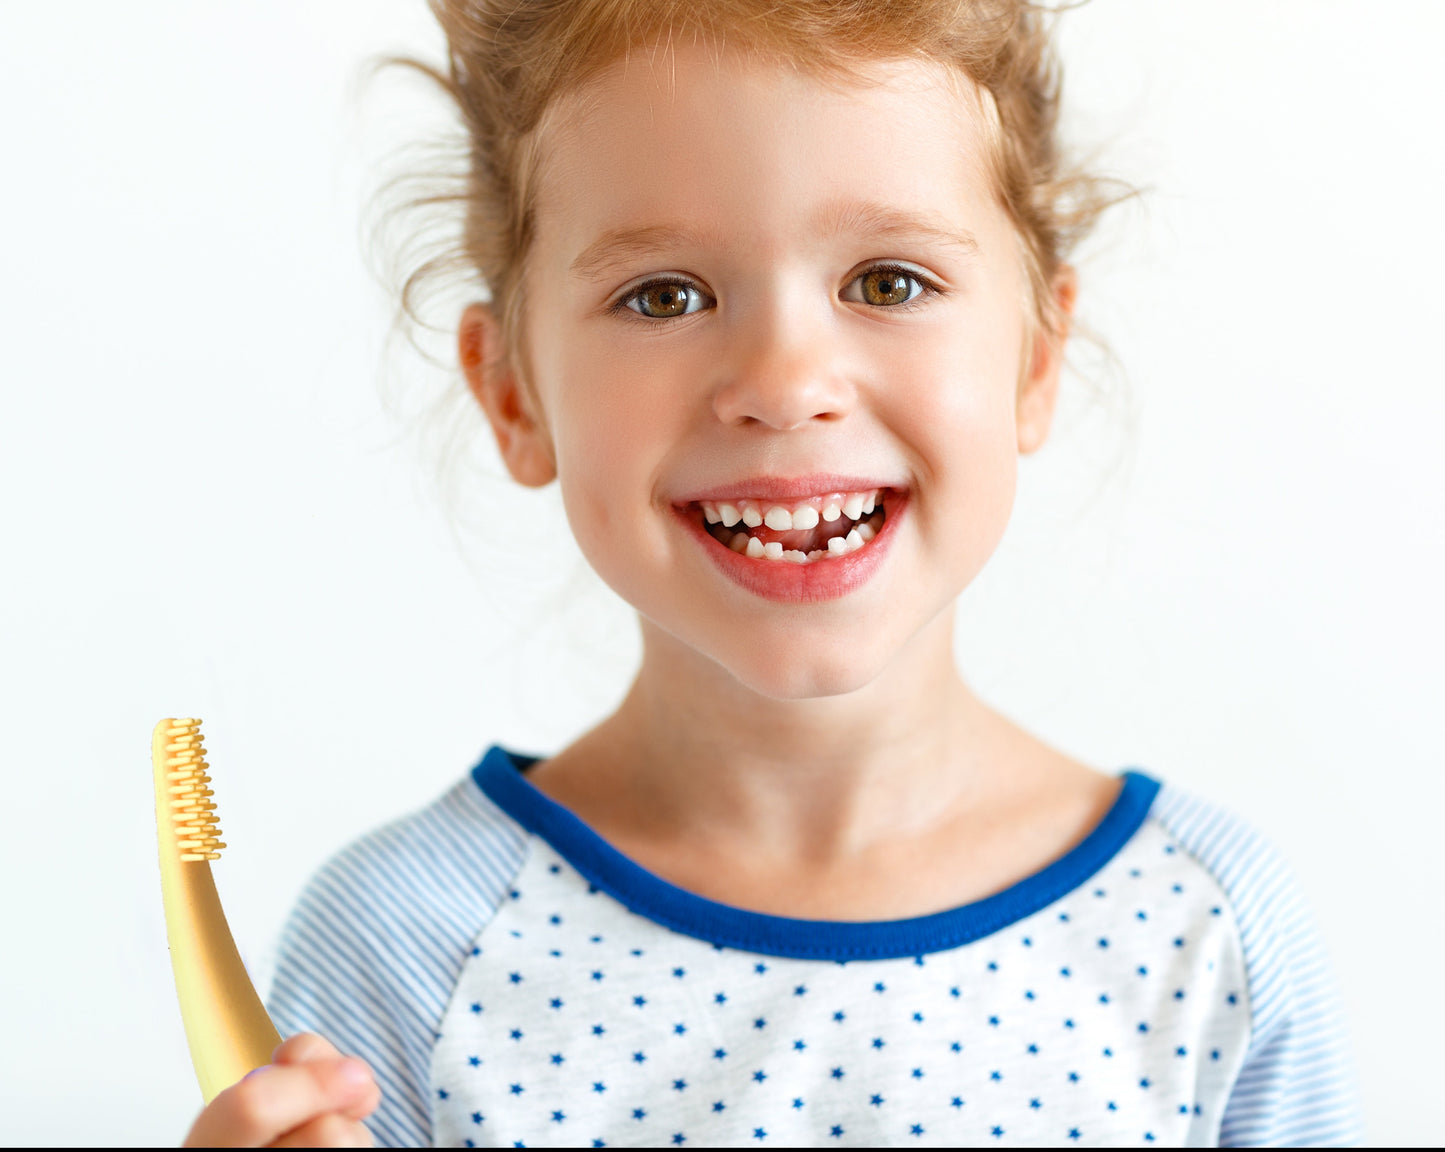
807, 531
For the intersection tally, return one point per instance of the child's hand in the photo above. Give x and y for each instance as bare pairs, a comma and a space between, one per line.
303, 1099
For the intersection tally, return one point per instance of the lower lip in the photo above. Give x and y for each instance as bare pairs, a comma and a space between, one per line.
789, 583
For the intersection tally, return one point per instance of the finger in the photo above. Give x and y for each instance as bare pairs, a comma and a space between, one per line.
367, 1099
279, 1098
303, 1046
329, 1131
306, 1047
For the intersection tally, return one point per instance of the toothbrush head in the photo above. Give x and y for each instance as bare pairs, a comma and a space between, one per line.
180, 758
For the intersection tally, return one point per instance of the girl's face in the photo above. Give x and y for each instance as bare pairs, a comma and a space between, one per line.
756, 291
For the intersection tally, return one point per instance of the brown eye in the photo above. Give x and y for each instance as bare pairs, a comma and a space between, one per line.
663, 299
886, 286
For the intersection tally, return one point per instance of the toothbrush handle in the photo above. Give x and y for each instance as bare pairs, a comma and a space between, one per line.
227, 1027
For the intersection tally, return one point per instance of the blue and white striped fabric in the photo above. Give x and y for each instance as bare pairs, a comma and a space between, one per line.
1297, 1086
513, 980
370, 955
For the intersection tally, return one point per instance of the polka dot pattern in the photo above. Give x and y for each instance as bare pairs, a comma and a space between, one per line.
499, 998
1117, 1015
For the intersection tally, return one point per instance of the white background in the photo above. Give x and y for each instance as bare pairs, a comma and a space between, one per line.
207, 511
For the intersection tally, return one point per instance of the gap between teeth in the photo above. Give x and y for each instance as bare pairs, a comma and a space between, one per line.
860, 535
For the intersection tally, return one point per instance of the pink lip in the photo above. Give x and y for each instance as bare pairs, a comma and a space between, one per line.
827, 579
779, 488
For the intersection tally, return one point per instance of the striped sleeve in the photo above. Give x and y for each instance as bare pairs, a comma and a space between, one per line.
1297, 1086
370, 954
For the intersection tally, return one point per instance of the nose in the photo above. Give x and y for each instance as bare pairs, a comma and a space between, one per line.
782, 372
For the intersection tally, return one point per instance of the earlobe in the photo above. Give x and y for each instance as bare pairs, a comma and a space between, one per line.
1038, 394
522, 440
1035, 415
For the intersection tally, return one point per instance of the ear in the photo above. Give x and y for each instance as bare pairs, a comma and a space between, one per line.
522, 439
1039, 390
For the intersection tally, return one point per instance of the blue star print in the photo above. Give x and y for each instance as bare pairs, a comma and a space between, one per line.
657, 1035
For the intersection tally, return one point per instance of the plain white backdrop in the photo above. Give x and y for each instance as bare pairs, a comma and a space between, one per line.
1233, 583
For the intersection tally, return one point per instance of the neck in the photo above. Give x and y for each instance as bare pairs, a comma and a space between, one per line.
807, 781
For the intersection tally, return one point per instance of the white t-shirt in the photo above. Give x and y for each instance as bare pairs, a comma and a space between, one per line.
514, 981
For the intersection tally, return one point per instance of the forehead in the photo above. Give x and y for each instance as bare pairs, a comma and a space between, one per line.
753, 153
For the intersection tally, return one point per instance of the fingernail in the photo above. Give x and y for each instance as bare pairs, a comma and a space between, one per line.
253, 1071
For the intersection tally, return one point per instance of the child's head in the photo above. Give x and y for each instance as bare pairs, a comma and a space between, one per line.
739, 243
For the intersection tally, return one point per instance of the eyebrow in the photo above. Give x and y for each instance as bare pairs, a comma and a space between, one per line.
838, 217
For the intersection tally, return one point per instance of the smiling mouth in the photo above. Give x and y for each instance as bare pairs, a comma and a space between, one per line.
808, 531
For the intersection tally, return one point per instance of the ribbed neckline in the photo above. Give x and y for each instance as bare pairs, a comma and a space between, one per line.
499, 774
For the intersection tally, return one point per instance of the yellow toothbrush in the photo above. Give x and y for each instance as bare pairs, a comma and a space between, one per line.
227, 1028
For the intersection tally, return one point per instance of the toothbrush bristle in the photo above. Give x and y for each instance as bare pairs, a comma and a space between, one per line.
196, 827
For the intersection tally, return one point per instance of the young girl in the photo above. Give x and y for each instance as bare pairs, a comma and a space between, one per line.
778, 296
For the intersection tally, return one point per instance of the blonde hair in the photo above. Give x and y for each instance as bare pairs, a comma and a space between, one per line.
508, 62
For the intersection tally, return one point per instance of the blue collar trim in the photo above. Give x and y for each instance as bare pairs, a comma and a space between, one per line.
499, 775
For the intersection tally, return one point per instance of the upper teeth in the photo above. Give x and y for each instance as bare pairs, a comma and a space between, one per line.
803, 514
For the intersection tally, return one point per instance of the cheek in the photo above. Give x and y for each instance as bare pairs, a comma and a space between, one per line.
968, 491
611, 432
958, 416
959, 410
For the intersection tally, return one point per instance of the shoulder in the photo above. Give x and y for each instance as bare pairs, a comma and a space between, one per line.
372, 949
461, 849
449, 862
1261, 888
1297, 1085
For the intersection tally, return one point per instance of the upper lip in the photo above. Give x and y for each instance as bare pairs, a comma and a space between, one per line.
787, 488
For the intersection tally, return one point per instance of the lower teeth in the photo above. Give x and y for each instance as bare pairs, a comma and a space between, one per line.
859, 535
